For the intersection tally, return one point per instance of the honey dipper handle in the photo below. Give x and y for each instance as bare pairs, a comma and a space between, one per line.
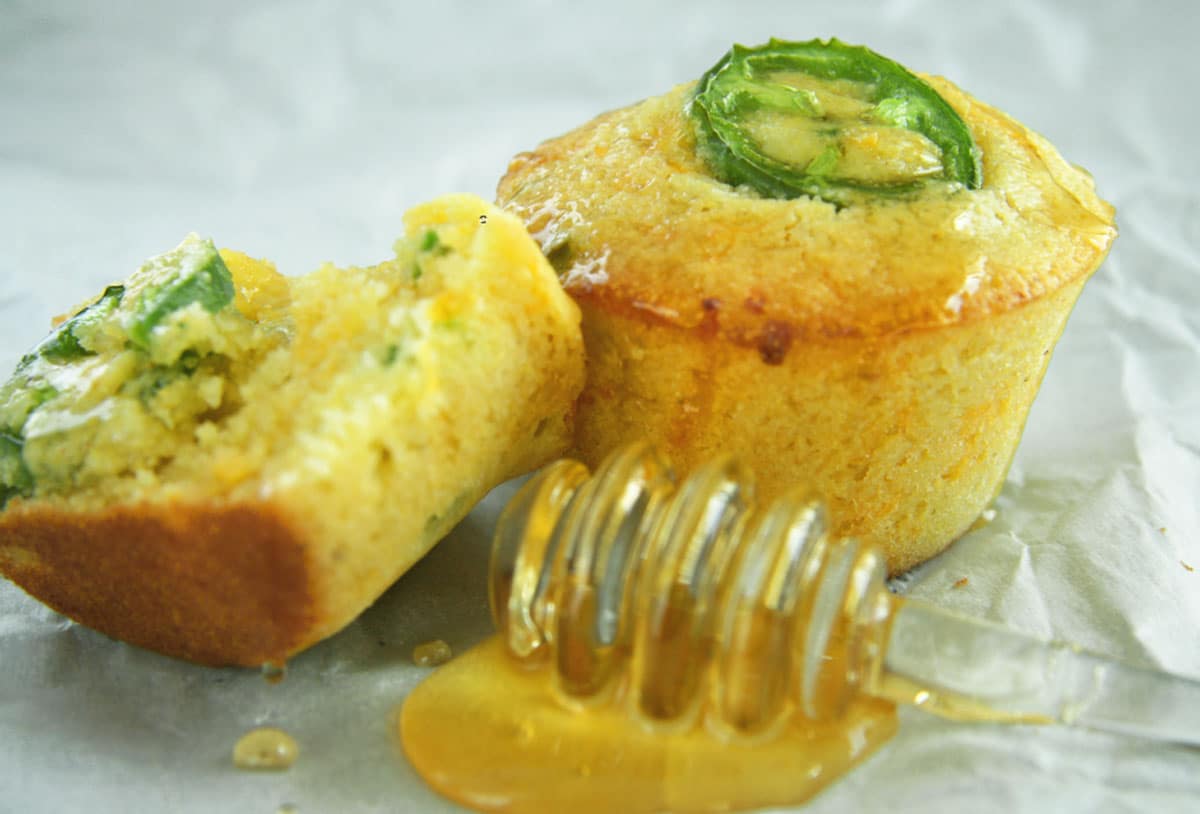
968, 669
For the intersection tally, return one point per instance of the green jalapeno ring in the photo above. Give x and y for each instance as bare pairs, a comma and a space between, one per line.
740, 84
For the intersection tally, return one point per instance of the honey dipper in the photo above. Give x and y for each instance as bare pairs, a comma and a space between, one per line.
661, 645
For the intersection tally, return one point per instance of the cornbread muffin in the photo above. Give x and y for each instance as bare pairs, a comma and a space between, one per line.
226, 465
856, 286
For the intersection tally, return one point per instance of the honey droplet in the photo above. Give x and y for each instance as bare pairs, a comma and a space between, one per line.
274, 672
265, 748
432, 654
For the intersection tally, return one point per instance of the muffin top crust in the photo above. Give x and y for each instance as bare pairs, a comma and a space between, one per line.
633, 221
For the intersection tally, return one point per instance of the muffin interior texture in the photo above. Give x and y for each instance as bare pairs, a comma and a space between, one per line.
212, 391
233, 465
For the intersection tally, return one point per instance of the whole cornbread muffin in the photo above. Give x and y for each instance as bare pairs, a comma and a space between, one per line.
225, 464
850, 276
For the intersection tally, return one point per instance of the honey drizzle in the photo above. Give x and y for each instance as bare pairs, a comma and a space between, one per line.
265, 748
661, 647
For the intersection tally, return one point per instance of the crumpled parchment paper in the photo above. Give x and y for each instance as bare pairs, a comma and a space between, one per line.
302, 131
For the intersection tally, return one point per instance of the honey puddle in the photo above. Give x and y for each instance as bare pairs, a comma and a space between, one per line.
493, 735
668, 646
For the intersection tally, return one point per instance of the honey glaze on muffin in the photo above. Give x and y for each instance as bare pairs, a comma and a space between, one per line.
882, 349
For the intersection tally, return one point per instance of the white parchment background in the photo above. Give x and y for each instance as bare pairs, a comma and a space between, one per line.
301, 131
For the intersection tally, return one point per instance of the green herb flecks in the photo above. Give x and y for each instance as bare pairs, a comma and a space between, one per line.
15, 478
157, 378
193, 273
431, 244
829, 120
20, 396
69, 341
560, 255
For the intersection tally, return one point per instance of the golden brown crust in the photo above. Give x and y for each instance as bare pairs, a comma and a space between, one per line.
628, 188
907, 440
182, 579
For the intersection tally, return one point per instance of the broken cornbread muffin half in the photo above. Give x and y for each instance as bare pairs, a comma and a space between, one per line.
227, 465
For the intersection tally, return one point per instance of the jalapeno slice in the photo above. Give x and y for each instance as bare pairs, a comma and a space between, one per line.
192, 272
830, 120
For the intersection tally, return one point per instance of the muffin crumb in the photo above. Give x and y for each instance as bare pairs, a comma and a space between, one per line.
432, 654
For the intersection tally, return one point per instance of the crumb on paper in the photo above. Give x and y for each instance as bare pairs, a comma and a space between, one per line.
1186, 566
1162, 529
274, 672
432, 654
961, 582
985, 517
